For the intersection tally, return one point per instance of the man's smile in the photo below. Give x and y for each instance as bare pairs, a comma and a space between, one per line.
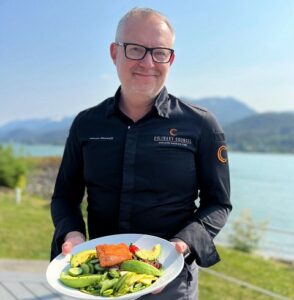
144, 75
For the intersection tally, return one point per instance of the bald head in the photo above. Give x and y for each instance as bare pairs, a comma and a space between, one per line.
142, 13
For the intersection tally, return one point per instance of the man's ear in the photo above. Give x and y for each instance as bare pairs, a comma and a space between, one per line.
172, 59
113, 52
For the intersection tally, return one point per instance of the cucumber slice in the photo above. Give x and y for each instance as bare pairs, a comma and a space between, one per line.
91, 268
86, 268
94, 261
75, 271
99, 268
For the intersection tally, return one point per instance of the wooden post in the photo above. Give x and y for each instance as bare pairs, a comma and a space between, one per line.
17, 195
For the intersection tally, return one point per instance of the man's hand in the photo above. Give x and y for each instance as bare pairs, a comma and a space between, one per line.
72, 239
181, 247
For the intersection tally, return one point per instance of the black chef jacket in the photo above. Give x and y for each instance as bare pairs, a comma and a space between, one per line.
144, 177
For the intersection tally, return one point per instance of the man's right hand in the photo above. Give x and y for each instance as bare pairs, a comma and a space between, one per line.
72, 239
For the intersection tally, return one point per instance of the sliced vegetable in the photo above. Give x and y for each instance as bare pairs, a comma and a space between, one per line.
98, 268
86, 268
94, 261
107, 284
113, 273
140, 267
75, 271
79, 281
121, 281
82, 257
107, 293
152, 254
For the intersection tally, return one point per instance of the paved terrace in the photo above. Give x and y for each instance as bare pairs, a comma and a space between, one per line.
26, 280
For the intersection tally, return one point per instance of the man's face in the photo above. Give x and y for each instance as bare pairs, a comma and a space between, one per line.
142, 77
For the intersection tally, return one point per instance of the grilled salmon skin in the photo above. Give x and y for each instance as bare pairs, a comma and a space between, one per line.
110, 255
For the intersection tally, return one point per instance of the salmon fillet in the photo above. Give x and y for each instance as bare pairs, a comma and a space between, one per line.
110, 255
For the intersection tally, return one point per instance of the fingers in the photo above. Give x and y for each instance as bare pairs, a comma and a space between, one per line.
158, 291
70, 243
66, 248
72, 239
180, 246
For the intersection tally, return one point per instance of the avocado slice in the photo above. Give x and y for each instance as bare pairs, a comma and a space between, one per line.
79, 281
152, 254
75, 271
82, 257
139, 267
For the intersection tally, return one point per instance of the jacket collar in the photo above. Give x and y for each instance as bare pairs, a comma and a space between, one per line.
160, 103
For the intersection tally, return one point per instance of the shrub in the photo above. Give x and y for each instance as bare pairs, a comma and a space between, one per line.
246, 234
12, 169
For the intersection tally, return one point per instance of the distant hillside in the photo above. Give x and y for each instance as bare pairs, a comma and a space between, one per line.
31, 137
227, 110
267, 132
37, 125
52, 131
36, 131
245, 130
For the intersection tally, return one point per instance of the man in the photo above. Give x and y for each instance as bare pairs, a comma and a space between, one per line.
143, 156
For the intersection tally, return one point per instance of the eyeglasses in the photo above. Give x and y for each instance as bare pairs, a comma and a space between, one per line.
138, 52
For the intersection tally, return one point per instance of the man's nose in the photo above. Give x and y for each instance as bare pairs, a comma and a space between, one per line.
148, 60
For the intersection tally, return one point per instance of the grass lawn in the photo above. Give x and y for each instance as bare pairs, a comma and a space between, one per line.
214, 288
26, 230
269, 274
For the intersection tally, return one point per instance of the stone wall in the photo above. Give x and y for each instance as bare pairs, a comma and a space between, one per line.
41, 178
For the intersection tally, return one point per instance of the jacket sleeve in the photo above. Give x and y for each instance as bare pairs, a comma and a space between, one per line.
214, 194
68, 193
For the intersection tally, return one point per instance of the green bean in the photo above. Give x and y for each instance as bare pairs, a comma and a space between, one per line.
107, 292
91, 292
113, 273
107, 284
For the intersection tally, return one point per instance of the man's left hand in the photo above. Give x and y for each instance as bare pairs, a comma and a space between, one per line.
181, 247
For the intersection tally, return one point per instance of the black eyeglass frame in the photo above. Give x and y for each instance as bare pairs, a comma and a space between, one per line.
146, 50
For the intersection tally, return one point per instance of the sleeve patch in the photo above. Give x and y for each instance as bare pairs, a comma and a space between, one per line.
222, 154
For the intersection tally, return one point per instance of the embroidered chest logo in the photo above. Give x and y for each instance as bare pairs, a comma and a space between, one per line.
172, 139
173, 132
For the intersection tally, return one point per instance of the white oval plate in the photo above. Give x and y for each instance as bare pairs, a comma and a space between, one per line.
171, 260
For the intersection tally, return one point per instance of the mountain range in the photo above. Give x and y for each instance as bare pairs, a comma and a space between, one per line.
267, 132
227, 109
246, 130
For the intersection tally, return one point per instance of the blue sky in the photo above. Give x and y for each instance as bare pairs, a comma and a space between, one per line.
54, 55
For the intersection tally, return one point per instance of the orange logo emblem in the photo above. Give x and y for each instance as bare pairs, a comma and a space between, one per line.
220, 151
173, 131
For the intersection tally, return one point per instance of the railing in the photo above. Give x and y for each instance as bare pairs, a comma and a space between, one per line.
275, 242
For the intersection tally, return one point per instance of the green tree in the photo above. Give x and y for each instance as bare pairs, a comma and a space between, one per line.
12, 169
246, 234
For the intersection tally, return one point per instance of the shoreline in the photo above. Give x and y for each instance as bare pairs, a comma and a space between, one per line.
266, 254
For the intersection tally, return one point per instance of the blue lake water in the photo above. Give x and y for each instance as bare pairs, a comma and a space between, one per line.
265, 183
262, 183
37, 150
